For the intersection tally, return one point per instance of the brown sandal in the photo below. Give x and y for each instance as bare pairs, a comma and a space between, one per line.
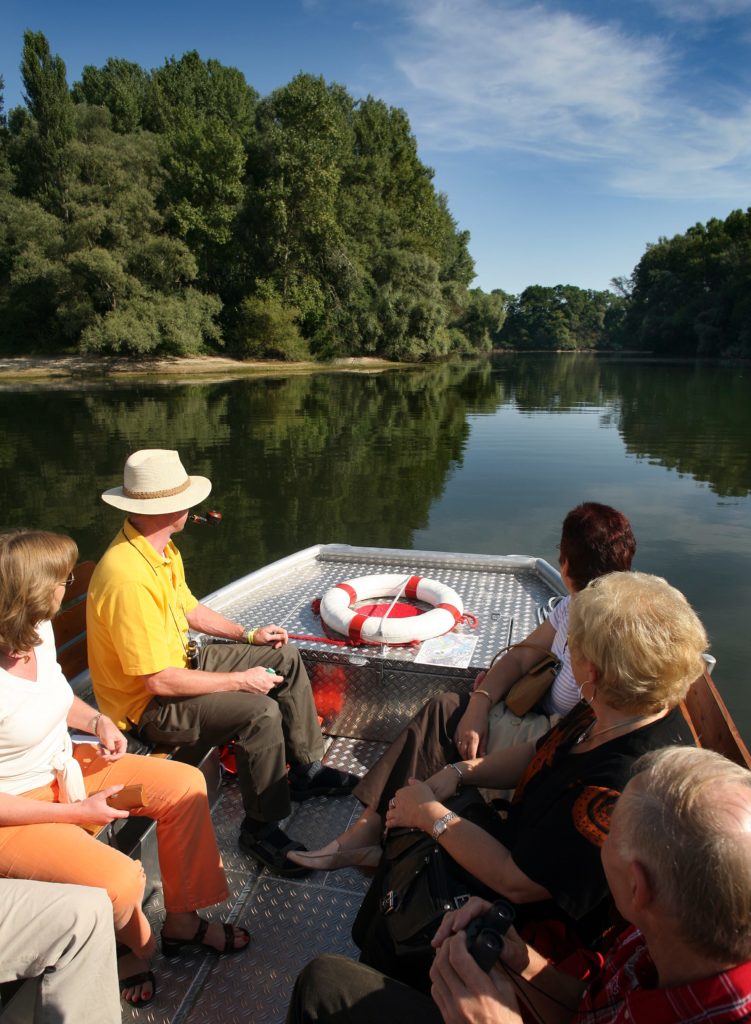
178, 947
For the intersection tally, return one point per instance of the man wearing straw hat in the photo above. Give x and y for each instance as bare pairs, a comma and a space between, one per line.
139, 610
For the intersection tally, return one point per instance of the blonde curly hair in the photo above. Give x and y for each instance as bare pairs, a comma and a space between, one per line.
643, 637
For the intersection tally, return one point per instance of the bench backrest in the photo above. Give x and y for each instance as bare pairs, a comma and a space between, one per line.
70, 623
711, 723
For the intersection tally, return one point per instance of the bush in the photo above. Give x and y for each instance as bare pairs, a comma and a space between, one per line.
264, 328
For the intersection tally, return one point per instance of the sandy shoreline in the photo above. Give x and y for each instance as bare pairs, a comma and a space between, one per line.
41, 368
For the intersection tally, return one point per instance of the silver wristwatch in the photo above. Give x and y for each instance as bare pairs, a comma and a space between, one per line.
440, 826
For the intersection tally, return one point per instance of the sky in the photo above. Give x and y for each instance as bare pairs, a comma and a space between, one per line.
567, 135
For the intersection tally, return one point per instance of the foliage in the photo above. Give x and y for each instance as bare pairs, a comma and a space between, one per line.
691, 294
264, 328
303, 222
563, 318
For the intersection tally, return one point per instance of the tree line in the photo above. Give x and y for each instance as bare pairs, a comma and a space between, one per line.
176, 211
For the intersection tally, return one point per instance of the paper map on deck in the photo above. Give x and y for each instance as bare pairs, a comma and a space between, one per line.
452, 651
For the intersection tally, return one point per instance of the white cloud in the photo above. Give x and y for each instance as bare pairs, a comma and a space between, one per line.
702, 10
496, 74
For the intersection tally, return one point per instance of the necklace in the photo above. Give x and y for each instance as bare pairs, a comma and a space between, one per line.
589, 735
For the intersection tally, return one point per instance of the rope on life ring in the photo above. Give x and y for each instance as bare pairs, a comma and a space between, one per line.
338, 614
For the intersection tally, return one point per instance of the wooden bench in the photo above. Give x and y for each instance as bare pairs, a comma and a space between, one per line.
711, 722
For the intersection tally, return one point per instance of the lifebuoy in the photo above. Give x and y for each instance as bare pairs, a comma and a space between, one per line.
337, 611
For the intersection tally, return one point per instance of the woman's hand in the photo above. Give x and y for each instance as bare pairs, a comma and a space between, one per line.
444, 783
406, 808
95, 810
471, 734
112, 744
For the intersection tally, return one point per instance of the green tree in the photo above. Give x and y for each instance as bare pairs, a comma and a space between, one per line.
47, 151
690, 293
121, 86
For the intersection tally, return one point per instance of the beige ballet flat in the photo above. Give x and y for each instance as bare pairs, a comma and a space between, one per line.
317, 860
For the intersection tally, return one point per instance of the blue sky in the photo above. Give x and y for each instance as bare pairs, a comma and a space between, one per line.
566, 134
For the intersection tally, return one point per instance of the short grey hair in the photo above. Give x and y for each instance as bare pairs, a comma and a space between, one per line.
686, 815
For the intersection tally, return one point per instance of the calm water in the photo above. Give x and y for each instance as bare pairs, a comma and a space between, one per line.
476, 457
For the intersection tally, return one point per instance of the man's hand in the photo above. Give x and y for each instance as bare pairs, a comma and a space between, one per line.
272, 636
457, 920
464, 993
112, 744
257, 680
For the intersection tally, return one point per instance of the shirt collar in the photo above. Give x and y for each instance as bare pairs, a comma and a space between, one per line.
137, 539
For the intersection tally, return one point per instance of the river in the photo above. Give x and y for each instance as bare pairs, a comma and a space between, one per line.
469, 456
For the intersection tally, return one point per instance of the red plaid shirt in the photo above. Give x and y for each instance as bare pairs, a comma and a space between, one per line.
626, 992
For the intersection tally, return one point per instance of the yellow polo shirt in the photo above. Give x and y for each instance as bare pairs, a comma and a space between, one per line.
136, 622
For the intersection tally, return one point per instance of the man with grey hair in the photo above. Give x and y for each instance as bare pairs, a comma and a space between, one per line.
678, 863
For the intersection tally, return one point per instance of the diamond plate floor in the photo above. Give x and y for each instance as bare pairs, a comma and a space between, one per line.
290, 921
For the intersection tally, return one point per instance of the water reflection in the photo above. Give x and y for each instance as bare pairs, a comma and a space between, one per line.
473, 456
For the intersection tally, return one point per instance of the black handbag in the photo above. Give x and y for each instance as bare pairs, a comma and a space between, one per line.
420, 884
416, 884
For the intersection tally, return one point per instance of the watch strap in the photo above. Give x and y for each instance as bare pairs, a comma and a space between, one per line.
439, 827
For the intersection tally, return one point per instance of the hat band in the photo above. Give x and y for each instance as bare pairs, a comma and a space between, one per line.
145, 495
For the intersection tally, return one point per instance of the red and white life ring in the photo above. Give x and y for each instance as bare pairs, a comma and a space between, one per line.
337, 611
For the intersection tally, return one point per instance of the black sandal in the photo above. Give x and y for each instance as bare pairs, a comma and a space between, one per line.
135, 979
177, 947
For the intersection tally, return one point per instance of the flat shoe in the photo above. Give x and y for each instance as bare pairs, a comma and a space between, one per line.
272, 850
358, 857
177, 947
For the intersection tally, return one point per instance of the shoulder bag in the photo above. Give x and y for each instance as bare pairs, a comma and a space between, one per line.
535, 683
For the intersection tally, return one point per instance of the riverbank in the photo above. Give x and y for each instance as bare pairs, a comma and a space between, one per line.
91, 368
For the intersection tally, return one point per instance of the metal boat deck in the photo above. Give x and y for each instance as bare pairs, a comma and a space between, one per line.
365, 696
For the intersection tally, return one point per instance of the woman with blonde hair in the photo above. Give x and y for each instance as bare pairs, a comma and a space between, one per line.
50, 792
636, 646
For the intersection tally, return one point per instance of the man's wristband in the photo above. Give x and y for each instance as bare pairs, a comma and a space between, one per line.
251, 636
94, 723
484, 694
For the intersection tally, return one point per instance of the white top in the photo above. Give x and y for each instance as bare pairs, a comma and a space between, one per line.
33, 713
564, 693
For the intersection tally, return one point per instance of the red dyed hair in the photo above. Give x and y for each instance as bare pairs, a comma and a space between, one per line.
595, 540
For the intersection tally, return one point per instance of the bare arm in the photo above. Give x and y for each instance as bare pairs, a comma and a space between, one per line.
500, 770
20, 810
112, 744
472, 731
478, 852
205, 620
186, 682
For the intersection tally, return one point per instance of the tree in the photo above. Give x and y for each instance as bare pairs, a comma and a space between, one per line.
48, 100
121, 86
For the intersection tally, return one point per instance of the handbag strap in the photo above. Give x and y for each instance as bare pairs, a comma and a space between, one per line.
544, 651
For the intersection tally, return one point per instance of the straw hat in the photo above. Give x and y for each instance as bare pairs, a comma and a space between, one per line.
154, 482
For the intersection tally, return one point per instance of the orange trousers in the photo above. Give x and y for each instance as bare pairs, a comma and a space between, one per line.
189, 859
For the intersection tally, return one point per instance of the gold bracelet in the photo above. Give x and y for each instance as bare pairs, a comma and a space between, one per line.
485, 694
251, 636
94, 723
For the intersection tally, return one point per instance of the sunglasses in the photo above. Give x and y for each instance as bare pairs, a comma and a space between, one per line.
70, 580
